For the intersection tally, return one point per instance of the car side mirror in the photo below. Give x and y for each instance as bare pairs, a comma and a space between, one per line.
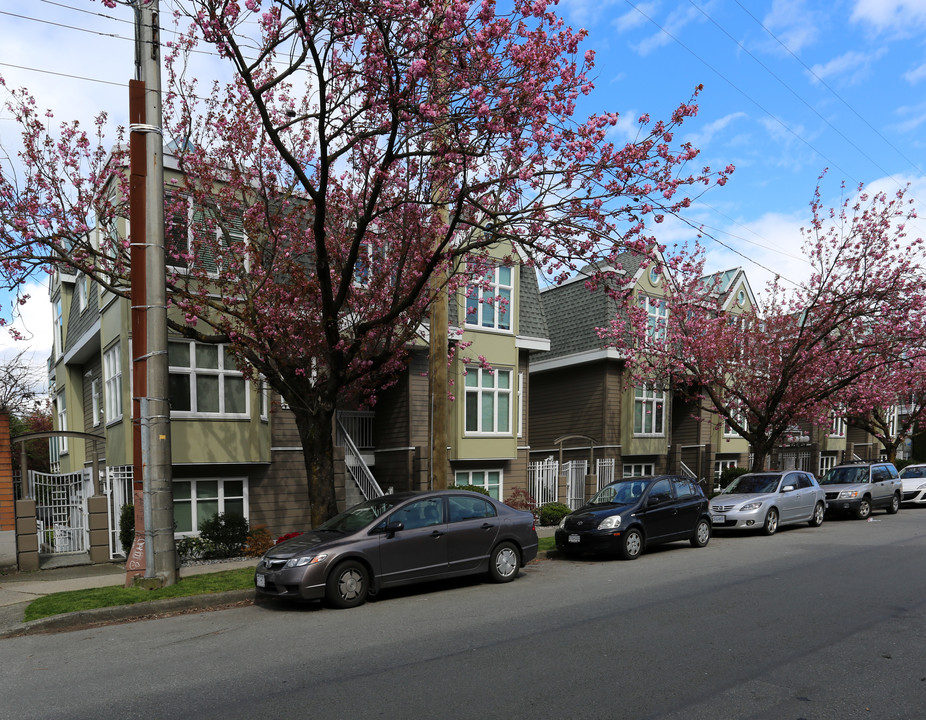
787, 488
393, 527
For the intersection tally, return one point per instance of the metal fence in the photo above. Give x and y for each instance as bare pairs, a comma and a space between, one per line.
117, 486
575, 472
61, 510
604, 469
543, 480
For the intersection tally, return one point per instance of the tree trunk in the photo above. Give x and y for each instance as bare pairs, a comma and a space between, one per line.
760, 455
315, 433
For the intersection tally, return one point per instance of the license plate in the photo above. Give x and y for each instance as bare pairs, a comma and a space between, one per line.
261, 581
575, 539
718, 518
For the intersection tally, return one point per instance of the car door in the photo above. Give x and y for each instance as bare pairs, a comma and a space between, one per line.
660, 516
472, 527
881, 486
418, 548
689, 504
789, 503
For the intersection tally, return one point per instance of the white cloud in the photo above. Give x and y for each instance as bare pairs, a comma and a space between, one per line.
792, 23
586, 13
903, 16
706, 134
34, 321
914, 75
638, 15
671, 29
851, 67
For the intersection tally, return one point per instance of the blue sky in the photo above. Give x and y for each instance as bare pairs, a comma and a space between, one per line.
790, 87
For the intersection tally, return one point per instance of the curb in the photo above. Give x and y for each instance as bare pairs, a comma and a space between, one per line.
87, 618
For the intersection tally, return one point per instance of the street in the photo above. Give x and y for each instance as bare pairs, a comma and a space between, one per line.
809, 623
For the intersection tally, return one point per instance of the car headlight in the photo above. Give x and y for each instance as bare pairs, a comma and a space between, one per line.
922, 487
848, 494
562, 523
612, 522
305, 560
749, 507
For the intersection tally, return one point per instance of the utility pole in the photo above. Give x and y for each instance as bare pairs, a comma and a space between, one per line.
153, 553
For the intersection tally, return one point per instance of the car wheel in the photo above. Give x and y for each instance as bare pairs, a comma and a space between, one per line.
702, 534
864, 509
632, 545
504, 563
771, 522
894, 506
348, 585
818, 512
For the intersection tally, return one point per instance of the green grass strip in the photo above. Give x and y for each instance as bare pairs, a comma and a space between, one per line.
93, 598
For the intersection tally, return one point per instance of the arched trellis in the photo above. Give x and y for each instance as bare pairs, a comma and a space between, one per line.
24, 460
577, 436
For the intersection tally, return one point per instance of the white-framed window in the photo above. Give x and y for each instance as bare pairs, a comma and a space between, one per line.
112, 383
649, 411
59, 327
95, 406
489, 480
198, 500
837, 426
720, 466
892, 417
520, 404
637, 469
185, 223
204, 380
489, 305
80, 291
61, 411
264, 400
657, 316
488, 401
827, 463
740, 417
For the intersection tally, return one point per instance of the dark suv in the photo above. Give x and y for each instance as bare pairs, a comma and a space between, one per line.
628, 515
862, 487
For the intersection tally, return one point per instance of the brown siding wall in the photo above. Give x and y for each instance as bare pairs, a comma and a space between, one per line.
569, 400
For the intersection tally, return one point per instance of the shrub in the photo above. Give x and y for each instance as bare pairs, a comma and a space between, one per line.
520, 499
258, 541
195, 548
551, 513
471, 488
729, 474
127, 526
227, 533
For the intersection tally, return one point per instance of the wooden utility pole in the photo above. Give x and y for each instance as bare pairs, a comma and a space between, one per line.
153, 553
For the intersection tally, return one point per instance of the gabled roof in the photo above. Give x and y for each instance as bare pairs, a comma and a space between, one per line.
727, 284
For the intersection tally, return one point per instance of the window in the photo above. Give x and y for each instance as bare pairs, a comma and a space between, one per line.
59, 328
80, 290
648, 411
420, 514
95, 409
204, 380
827, 463
112, 383
660, 492
192, 230
720, 466
198, 500
655, 274
264, 400
520, 404
62, 413
488, 401
683, 488
657, 314
837, 426
489, 480
469, 508
489, 305
637, 469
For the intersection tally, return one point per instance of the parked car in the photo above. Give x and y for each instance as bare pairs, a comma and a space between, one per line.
862, 487
913, 478
629, 515
765, 501
399, 539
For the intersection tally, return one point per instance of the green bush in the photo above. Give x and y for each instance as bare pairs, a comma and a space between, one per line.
227, 533
472, 488
729, 474
127, 526
551, 513
196, 548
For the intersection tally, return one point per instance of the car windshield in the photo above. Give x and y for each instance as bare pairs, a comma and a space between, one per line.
359, 516
846, 476
914, 471
753, 484
622, 492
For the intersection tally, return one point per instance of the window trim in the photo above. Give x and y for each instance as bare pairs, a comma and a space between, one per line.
221, 498
192, 372
649, 401
485, 485
478, 296
479, 390
112, 384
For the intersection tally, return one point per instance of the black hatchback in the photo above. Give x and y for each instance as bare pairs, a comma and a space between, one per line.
626, 516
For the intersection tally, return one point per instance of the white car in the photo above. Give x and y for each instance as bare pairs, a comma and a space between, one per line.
914, 484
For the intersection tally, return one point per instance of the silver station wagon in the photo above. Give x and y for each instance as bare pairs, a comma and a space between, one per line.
767, 500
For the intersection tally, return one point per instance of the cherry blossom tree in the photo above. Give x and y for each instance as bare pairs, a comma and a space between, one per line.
763, 370
363, 159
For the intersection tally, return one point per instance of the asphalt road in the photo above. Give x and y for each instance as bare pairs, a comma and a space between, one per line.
811, 623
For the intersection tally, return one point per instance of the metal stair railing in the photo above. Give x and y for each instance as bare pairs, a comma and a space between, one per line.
357, 468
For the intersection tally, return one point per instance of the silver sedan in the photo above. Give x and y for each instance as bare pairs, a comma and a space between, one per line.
765, 501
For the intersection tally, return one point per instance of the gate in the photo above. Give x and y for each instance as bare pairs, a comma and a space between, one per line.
61, 510
118, 490
543, 480
575, 471
604, 469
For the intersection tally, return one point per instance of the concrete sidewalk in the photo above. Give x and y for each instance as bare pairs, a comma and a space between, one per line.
18, 589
